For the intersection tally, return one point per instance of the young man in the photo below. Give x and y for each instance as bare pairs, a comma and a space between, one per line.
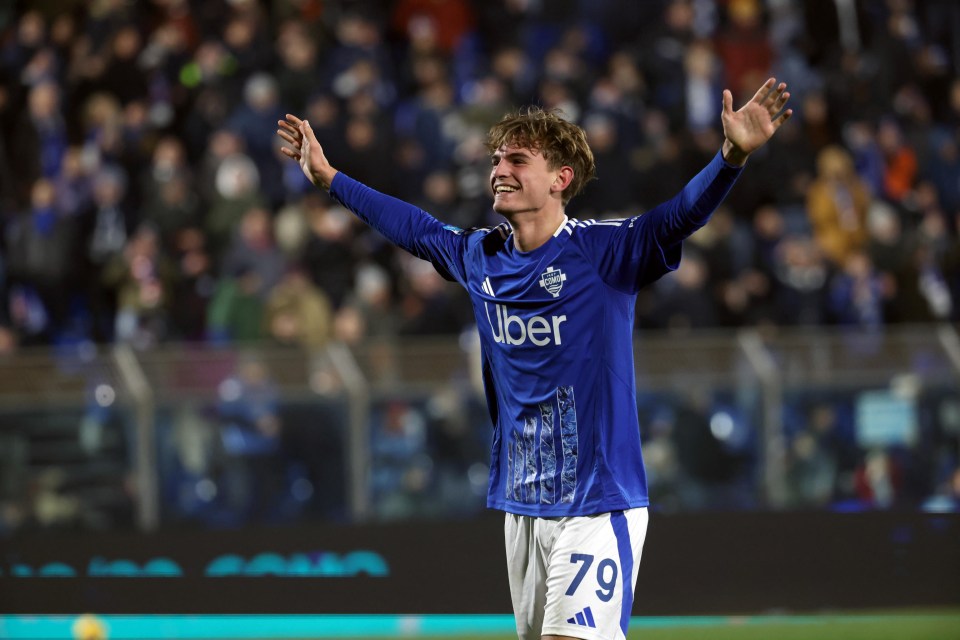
554, 301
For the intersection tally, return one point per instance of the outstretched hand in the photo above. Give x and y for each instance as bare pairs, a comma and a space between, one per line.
749, 128
304, 148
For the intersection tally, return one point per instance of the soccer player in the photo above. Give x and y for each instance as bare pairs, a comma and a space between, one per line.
554, 302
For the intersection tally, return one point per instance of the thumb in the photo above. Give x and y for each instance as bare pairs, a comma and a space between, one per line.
305, 130
727, 102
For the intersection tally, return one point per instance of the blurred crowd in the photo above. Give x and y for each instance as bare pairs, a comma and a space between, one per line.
143, 198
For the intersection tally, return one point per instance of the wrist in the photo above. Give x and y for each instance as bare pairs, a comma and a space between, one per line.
732, 154
324, 177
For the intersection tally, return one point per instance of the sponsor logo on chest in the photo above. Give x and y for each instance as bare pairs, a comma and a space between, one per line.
512, 329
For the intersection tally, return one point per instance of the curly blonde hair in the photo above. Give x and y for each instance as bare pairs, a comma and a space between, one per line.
562, 143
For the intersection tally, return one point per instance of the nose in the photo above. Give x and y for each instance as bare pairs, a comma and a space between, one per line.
499, 170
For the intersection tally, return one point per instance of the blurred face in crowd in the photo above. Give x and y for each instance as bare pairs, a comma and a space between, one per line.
44, 101
42, 194
126, 44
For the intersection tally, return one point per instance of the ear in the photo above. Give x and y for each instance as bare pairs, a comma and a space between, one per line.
563, 179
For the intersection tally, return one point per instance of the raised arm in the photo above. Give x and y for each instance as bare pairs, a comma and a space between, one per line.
745, 131
405, 225
641, 249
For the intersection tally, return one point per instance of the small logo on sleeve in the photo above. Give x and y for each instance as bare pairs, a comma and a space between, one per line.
552, 280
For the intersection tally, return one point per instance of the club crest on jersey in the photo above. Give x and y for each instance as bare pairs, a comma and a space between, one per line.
552, 280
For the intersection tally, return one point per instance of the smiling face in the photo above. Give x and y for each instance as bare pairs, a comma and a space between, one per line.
539, 161
523, 181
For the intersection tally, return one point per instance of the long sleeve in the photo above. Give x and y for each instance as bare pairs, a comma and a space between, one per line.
680, 216
633, 252
405, 225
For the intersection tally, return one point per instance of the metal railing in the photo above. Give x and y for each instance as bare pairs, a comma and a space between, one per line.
756, 368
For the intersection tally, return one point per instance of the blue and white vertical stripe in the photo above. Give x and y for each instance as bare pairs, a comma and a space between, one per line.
542, 467
621, 532
548, 456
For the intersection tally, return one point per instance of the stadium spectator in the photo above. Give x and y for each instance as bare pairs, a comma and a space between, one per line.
251, 471
41, 256
261, 102
614, 193
237, 179
444, 23
373, 313
39, 139
428, 307
173, 208
297, 313
923, 285
661, 59
743, 45
401, 469
252, 248
329, 255
300, 66
857, 295
685, 302
141, 280
193, 286
801, 278
108, 226
837, 203
122, 75
245, 38
168, 162
878, 480
947, 496
74, 184
900, 161
236, 313
943, 170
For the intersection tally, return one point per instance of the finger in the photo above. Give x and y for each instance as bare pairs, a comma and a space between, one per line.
783, 117
290, 131
289, 128
782, 100
763, 91
775, 95
727, 101
290, 153
293, 120
308, 131
289, 138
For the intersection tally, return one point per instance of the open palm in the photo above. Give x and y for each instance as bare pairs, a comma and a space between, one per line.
749, 128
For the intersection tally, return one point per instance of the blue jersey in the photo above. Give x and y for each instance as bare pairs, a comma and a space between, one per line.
556, 327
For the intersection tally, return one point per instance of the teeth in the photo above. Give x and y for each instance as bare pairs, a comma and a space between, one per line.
504, 189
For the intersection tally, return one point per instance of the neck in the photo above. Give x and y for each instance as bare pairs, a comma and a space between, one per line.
533, 229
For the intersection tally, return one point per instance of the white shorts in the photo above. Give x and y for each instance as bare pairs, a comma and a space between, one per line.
574, 576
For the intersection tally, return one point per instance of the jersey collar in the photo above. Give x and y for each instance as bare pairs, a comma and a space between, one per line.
560, 228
